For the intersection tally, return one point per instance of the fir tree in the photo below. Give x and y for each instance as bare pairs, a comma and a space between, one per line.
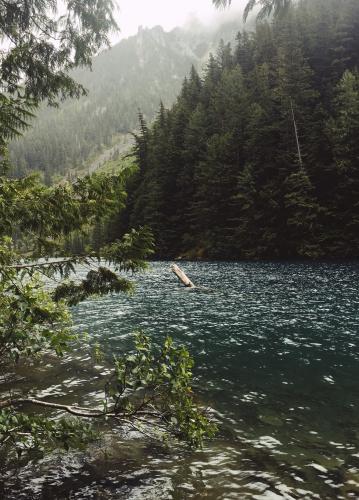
343, 131
302, 210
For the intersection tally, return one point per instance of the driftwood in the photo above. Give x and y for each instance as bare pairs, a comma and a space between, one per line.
182, 276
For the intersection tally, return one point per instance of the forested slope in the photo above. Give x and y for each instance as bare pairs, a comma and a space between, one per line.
136, 73
219, 173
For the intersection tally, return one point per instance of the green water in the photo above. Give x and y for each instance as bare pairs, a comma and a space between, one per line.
277, 356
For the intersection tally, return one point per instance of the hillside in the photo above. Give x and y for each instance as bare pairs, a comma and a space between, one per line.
221, 174
137, 73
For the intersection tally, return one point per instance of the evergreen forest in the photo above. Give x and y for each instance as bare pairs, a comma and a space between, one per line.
249, 164
258, 157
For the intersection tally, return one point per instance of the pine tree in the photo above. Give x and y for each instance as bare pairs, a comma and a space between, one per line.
212, 77
244, 52
346, 39
295, 94
343, 130
224, 56
303, 237
246, 231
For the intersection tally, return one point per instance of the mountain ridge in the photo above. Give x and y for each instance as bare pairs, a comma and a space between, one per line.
136, 74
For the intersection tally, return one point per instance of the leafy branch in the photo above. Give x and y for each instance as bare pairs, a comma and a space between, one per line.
149, 390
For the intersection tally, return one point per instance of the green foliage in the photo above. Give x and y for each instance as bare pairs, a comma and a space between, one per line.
277, 7
29, 207
116, 165
129, 253
102, 281
36, 65
344, 126
20, 434
219, 173
267, 7
343, 130
30, 320
158, 384
302, 216
14, 116
149, 389
34, 318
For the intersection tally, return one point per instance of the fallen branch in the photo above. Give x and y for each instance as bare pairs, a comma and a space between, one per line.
182, 276
75, 410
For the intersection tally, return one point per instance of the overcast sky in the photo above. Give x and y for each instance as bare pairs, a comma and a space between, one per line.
168, 13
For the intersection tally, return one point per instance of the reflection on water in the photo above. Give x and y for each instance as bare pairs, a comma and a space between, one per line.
277, 355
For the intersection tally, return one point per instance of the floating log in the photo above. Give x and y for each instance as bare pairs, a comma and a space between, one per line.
182, 276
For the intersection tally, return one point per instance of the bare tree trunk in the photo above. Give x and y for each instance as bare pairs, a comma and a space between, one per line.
182, 276
296, 136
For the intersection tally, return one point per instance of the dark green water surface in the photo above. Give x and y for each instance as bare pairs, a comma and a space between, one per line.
277, 356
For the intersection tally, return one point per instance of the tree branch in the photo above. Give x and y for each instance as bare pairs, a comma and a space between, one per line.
43, 264
73, 410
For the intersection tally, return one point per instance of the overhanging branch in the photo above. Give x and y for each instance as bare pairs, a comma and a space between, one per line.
18, 267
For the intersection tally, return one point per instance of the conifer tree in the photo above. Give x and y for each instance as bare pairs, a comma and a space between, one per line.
246, 231
244, 52
346, 39
343, 131
224, 56
302, 209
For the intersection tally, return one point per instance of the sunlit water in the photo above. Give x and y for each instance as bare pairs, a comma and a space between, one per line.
277, 356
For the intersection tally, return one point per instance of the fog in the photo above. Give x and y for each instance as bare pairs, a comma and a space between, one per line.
170, 13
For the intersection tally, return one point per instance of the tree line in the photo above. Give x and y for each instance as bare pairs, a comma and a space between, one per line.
258, 158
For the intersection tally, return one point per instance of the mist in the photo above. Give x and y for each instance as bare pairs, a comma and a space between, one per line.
134, 13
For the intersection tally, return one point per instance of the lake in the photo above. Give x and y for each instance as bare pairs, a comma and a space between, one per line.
276, 347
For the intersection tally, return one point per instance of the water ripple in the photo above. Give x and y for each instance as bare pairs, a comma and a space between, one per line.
277, 356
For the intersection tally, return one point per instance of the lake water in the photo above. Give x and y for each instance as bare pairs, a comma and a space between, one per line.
276, 347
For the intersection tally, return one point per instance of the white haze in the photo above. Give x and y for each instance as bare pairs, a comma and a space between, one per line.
170, 13
130, 14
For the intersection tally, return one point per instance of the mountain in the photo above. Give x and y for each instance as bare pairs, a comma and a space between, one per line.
136, 74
